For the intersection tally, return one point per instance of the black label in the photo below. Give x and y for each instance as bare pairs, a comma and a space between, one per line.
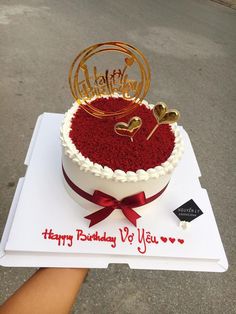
188, 211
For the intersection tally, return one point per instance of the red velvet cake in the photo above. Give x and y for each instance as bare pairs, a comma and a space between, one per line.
95, 158
103, 146
119, 152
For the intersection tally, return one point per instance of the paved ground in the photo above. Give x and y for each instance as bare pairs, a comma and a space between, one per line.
229, 3
191, 48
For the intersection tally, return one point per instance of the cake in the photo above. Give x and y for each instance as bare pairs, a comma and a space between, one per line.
122, 173
103, 171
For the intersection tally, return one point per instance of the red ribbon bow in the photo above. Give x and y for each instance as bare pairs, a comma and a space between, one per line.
110, 203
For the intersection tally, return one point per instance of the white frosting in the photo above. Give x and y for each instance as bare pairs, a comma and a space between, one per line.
86, 165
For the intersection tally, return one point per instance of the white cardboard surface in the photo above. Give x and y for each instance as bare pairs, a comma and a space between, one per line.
44, 204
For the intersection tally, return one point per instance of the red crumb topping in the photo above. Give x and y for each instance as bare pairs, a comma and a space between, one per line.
96, 139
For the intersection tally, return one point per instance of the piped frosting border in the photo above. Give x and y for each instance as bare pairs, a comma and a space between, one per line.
85, 164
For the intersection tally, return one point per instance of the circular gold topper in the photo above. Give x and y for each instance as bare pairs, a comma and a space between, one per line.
109, 69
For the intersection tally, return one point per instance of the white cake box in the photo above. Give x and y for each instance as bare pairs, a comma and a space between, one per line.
46, 227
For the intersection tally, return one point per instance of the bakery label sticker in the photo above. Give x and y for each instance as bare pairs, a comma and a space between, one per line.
188, 211
142, 238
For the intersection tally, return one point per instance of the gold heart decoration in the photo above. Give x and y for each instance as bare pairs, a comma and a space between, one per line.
128, 129
163, 116
129, 61
159, 110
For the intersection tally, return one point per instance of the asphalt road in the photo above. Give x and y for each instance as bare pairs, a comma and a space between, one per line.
191, 48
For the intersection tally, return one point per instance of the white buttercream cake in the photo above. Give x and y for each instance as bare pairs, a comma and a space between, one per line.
94, 157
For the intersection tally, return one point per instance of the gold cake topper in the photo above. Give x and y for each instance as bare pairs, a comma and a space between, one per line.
130, 79
163, 115
128, 129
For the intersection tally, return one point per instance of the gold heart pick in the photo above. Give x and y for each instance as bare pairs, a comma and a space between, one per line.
159, 110
128, 129
163, 116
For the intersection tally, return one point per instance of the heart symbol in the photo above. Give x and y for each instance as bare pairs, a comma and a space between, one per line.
172, 240
181, 241
163, 115
129, 61
159, 110
128, 129
164, 239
